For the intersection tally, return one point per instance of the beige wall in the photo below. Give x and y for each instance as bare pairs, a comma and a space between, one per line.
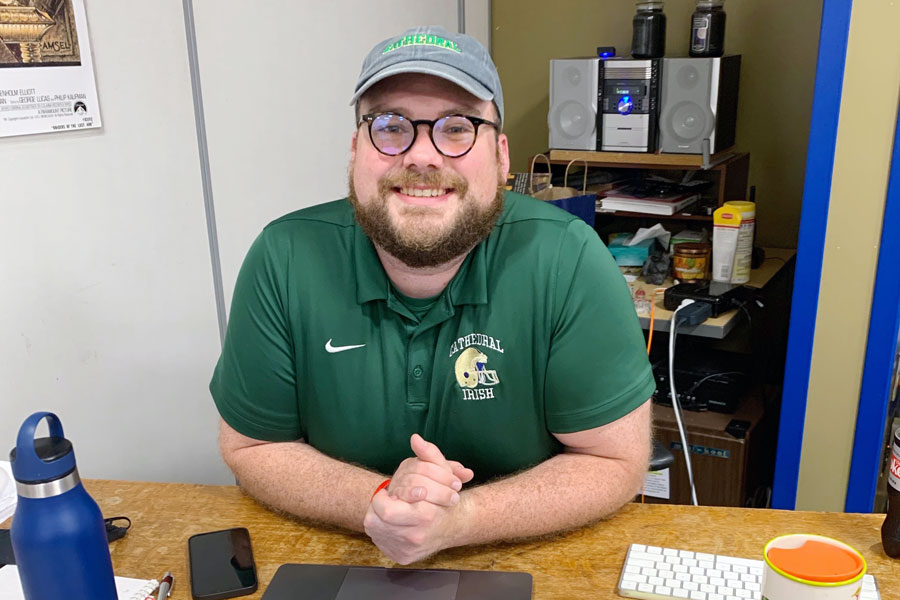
777, 76
855, 214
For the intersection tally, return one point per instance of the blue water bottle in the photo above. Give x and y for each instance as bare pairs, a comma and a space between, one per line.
58, 534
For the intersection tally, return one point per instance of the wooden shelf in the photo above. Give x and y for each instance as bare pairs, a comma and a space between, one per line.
678, 216
643, 160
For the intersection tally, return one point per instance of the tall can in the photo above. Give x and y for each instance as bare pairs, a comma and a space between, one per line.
743, 252
890, 529
58, 535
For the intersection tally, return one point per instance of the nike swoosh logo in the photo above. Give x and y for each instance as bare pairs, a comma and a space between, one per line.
332, 349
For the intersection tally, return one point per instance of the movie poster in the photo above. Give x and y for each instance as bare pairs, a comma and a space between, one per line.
46, 73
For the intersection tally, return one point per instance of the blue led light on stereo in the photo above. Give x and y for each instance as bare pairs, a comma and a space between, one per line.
625, 105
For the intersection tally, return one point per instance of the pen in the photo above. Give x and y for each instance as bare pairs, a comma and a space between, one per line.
165, 586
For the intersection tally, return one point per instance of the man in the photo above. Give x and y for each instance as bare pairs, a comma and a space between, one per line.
429, 306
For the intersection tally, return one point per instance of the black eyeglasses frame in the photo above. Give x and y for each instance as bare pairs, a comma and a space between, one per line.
476, 121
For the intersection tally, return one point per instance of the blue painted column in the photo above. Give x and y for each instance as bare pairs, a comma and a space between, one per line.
810, 247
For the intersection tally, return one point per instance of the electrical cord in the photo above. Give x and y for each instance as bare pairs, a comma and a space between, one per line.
676, 405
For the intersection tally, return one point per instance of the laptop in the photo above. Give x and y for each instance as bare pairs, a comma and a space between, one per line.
343, 582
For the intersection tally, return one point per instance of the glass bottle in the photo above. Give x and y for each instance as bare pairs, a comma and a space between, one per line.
708, 28
890, 529
649, 34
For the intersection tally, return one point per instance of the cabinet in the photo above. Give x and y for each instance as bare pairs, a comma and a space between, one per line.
728, 171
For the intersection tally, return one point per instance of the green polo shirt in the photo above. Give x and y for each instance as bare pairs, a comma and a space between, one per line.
535, 334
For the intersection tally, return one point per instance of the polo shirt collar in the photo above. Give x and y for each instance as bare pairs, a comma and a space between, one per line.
468, 286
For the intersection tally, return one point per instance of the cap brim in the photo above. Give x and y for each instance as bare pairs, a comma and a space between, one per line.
427, 67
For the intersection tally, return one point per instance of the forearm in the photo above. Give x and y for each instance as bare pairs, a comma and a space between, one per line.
297, 478
566, 491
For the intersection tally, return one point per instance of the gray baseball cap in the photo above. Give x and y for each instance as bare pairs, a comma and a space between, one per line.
433, 50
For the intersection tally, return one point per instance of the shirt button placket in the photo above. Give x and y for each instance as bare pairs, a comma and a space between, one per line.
415, 365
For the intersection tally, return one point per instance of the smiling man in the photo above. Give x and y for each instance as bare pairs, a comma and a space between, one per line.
430, 305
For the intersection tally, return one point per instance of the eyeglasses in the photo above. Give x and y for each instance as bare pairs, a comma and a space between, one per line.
453, 136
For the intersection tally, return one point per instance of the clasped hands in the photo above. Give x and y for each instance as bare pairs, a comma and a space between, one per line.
417, 514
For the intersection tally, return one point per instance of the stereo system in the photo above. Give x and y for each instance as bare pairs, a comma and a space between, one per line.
671, 105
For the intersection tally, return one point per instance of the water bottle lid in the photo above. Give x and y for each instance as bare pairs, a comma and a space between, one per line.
44, 459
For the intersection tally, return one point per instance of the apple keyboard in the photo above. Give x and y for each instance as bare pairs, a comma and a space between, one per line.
655, 573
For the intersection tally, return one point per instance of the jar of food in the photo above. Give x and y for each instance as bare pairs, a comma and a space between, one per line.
649, 36
690, 261
708, 29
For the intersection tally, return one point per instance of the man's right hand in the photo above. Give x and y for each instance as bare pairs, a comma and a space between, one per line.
428, 476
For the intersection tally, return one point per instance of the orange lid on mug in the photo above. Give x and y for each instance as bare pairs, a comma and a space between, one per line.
817, 561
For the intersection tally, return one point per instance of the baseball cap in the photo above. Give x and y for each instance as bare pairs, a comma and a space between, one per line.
433, 50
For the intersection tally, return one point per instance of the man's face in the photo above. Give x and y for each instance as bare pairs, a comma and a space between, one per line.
422, 207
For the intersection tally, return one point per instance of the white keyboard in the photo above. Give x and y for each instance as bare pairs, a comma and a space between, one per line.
655, 573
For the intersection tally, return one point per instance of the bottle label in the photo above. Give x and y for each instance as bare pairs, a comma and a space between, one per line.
700, 28
894, 475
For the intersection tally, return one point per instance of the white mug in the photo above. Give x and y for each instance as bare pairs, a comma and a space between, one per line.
780, 584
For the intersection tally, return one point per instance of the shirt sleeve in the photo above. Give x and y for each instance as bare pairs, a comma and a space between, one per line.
598, 369
254, 383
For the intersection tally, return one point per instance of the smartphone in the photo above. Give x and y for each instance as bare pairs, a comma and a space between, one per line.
221, 564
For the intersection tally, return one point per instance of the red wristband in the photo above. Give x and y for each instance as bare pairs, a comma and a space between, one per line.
380, 487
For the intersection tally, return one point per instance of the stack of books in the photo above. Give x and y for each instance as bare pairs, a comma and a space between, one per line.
657, 204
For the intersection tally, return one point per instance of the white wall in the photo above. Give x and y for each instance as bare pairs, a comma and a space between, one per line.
107, 310
107, 313
276, 92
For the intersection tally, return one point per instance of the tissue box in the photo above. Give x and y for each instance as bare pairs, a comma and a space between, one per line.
629, 256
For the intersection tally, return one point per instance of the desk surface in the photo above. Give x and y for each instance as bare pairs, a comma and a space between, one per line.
717, 327
584, 563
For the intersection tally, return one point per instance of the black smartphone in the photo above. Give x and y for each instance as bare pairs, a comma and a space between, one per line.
221, 564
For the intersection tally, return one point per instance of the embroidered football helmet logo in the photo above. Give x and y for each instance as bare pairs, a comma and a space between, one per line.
470, 369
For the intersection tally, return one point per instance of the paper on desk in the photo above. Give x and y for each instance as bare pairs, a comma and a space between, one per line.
8, 496
644, 233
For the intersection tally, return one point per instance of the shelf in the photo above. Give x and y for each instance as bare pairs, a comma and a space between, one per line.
643, 160
714, 327
677, 216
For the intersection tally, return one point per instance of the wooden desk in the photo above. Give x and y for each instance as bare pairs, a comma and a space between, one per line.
581, 564
717, 327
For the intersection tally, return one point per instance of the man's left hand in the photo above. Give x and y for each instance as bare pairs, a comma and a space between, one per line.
408, 532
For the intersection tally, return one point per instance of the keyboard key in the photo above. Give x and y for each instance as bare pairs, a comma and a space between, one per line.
670, 552
680, 593
685, 554
698, 596
645, 587
654, 550
663, 590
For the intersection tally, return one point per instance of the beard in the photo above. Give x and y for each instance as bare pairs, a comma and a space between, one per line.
416, 240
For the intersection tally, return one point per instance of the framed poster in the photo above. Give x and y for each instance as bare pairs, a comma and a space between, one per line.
46, 72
